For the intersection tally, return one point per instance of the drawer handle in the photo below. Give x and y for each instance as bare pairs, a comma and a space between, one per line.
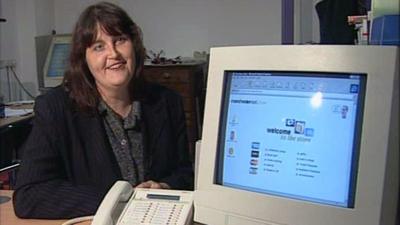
166, 75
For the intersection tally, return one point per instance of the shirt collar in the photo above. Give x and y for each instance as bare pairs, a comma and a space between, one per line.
130, 122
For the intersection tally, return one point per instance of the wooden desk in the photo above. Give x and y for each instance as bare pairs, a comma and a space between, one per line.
7, 121
7, 216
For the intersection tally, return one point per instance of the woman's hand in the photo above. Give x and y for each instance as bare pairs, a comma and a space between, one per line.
153, 184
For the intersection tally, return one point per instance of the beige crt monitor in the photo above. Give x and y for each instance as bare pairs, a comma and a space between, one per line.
300, 135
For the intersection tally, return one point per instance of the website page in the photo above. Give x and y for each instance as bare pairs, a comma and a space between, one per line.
291, 134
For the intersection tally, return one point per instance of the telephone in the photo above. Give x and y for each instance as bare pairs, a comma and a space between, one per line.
125, 205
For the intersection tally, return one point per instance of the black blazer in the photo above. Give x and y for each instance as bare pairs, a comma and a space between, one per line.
68, 164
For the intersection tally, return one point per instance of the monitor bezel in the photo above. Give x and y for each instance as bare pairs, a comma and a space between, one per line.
381, 99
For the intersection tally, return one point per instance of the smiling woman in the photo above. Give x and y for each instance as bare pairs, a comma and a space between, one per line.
104, 35
103, 124
111, 60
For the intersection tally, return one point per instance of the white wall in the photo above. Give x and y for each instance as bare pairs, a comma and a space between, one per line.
7, 47
44, 11
179, 27
25, 20
306, 24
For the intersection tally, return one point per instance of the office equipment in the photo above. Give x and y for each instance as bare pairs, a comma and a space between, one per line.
300, 135
56, 60
124, 205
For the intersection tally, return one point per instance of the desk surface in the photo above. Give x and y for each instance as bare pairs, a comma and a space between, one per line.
7, 216
4, 122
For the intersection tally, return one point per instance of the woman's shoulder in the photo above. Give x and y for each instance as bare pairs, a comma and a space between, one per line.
55, 93
55, 98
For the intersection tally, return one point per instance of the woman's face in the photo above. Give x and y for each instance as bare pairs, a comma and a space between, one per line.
111, 60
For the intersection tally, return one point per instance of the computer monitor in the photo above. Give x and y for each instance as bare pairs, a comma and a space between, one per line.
56, 60
300, 135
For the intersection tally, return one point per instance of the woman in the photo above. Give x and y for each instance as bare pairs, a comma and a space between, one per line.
103, 124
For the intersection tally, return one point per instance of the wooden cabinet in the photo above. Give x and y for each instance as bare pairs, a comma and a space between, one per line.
187, 80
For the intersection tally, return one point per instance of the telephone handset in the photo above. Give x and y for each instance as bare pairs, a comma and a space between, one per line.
125, 205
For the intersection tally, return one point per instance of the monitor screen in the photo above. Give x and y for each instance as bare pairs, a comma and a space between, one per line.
56, 60
291, 134
300, 135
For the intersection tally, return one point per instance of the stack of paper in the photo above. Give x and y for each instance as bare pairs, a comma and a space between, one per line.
17, 112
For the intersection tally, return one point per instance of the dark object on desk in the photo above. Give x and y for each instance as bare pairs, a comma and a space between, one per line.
2, 110
2, 107
333, 25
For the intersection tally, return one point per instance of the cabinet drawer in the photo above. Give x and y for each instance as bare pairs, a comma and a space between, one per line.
186, 91
188, 104
190, 119
172, 75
